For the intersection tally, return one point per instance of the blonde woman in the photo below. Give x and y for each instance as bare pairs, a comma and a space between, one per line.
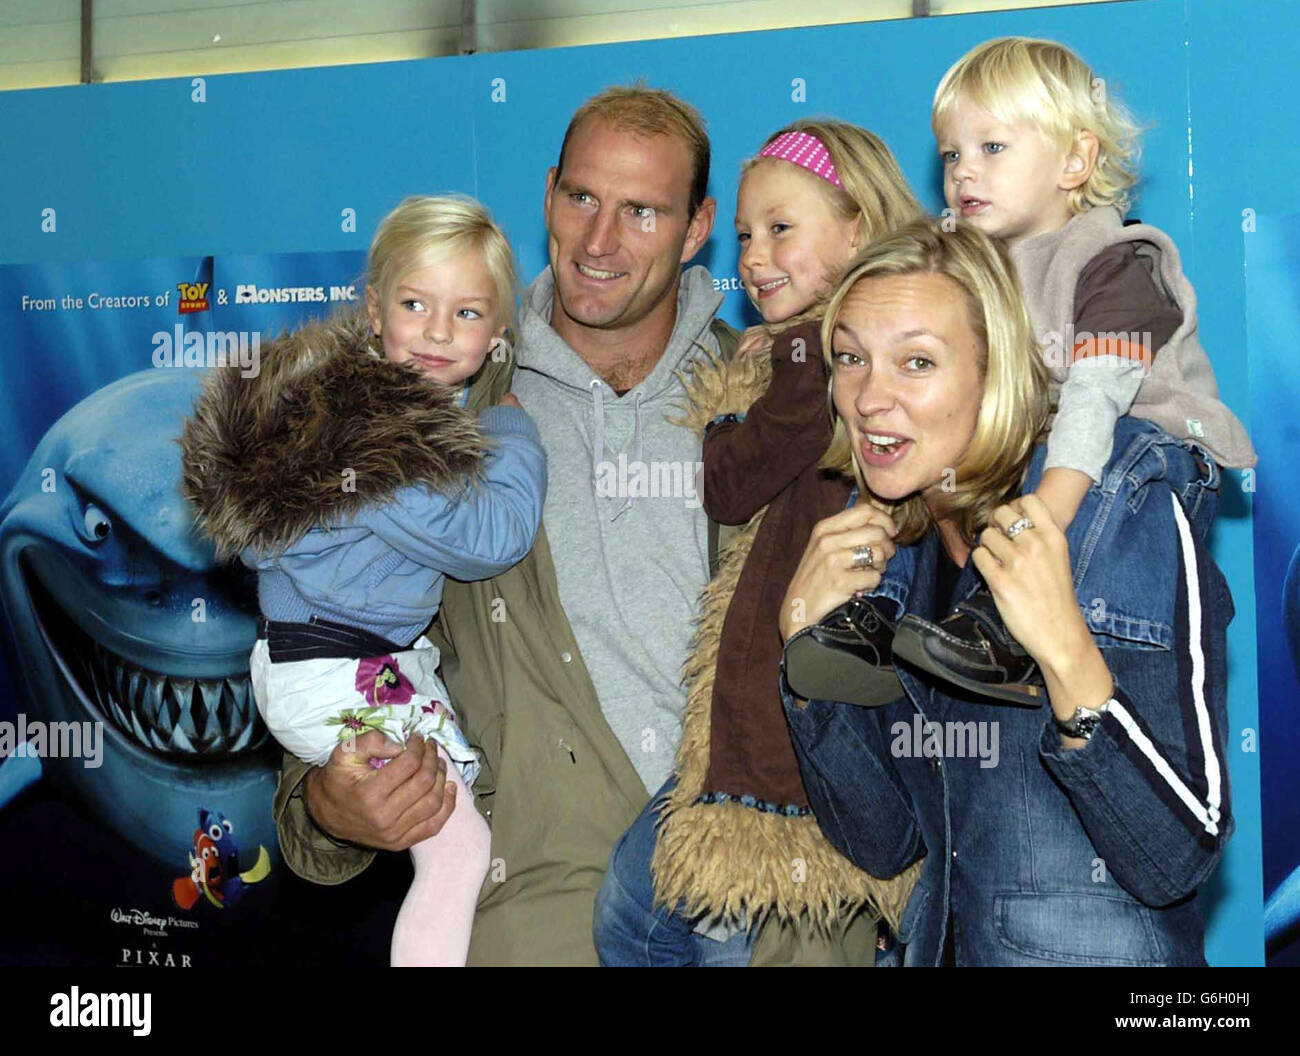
1073, 832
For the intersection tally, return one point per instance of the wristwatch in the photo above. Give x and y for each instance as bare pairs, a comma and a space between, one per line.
1084, 722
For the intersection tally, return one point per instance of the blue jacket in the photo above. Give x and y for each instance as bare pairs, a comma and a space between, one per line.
1036, 854
355, 486
382, 568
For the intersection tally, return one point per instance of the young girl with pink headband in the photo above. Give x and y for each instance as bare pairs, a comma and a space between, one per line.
725, 829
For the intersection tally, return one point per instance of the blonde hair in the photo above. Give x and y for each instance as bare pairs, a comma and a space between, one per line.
875, 188
1044, 84
649, 112
424, 229
1015, 403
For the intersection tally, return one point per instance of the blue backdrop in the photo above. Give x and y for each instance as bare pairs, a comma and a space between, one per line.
1273, 326
272, 163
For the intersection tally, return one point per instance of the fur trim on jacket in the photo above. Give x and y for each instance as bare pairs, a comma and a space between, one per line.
266, 459
727, 860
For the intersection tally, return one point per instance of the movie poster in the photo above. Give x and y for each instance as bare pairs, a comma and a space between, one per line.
135, 774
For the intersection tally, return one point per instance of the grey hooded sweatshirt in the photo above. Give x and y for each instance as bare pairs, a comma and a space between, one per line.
627, 531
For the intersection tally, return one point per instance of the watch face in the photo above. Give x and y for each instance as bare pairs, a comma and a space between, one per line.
1082, 724
1086, 724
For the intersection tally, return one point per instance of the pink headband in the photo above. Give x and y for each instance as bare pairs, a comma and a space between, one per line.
806, 151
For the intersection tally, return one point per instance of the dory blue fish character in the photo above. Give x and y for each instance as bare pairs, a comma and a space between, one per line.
214, 865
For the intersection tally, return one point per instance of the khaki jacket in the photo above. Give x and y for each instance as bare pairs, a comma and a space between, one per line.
556, 785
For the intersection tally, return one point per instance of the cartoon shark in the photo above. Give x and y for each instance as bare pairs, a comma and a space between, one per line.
117, 612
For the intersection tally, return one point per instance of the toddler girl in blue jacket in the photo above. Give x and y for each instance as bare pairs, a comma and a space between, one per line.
349, 473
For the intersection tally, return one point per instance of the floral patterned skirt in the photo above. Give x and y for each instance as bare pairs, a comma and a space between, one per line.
311, 706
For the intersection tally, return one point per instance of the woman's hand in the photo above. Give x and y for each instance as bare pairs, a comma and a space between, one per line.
1031, 582
1030, 579
826, 576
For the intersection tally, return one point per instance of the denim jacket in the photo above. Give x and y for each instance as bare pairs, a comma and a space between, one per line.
1036, 854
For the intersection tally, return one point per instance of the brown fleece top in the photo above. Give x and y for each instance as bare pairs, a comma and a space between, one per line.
769, 459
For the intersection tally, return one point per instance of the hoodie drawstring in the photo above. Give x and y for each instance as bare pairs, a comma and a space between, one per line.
598, 440
598, 446
636, 453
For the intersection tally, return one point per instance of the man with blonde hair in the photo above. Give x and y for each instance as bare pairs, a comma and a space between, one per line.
567, 667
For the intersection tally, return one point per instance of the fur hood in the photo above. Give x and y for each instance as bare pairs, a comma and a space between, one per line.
327, 426
726, 860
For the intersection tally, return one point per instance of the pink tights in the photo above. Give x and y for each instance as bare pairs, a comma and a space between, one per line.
434, 923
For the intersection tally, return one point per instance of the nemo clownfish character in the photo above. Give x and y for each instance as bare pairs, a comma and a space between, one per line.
214, 865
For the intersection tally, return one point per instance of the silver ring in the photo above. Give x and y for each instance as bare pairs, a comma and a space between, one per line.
1016, 527
863, 557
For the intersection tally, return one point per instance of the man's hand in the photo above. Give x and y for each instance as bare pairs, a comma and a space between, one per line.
406, 800
510, 400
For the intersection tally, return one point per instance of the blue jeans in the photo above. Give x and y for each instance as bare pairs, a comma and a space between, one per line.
1114, 538
631, 932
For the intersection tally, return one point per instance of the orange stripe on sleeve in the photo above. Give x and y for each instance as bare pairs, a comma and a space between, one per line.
1113, 345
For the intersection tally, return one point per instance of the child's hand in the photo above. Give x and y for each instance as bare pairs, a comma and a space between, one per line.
755, 339
508, 400
1062, 490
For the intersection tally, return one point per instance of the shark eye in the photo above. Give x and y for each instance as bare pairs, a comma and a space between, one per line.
96, 523
214, 830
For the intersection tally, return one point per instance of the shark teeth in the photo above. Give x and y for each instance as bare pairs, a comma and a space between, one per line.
213, 718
